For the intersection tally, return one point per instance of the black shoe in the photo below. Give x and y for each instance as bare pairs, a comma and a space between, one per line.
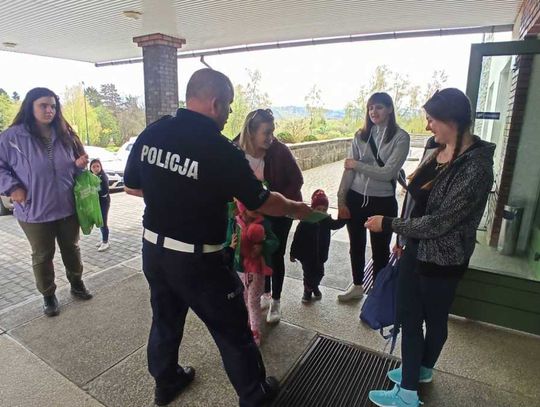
317, 295
165, 394
79, 291
50, 305
306, 297
271, 389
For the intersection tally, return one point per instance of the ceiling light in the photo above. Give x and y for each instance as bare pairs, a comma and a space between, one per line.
9, 44
134, 15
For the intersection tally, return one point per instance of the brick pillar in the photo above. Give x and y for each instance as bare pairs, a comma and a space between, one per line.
160, 74
528, 25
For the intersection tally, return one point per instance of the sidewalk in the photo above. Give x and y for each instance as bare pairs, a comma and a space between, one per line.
94, 353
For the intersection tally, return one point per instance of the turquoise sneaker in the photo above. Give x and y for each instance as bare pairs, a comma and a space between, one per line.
426, 375
392, 398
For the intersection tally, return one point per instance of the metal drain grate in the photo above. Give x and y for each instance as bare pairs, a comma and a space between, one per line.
335, 374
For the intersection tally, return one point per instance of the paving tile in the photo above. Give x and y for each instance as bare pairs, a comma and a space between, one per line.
28, 381
96, 334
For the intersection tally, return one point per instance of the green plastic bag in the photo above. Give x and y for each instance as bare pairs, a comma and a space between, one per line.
87, 201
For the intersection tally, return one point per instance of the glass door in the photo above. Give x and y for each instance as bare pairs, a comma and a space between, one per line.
502, 113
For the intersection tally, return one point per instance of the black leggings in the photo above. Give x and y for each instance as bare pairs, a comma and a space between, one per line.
281, 227
361, 208
421, 298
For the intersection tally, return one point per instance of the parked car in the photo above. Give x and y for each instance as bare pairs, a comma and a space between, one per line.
124, 150
112, 164
6, 206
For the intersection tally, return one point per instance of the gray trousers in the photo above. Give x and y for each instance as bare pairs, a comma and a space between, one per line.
42, 237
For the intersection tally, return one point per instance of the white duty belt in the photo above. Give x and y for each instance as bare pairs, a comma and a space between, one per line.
179, 246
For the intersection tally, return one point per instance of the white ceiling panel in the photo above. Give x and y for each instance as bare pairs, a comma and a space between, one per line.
97, 30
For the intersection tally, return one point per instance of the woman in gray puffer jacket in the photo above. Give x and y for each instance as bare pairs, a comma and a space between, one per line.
446, 199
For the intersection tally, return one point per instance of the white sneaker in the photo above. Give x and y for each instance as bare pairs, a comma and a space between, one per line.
274, 314
99, 243
353, 292
103, 247
266, 300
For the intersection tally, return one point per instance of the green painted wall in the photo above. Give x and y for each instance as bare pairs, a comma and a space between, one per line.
500, 300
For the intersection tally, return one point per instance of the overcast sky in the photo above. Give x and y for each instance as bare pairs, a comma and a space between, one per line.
339, 70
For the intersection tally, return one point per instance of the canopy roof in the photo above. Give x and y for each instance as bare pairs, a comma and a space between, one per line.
99, 30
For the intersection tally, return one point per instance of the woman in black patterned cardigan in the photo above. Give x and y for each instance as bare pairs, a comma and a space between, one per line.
446, 198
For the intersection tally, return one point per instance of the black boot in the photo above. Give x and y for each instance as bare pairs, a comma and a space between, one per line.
79, 291
271, 389
50, 305
167, 393
307, 296
317, 293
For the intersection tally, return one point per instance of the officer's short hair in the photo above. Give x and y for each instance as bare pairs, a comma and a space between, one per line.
208, 83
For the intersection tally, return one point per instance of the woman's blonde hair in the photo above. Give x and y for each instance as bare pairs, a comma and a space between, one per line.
252, 123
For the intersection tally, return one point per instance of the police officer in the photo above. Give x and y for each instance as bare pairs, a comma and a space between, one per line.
187, 171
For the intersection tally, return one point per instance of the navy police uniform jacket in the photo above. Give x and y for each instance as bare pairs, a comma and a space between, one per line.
188, 171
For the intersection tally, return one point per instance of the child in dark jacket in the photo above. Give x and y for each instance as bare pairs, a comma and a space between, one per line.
104, 202
310, 246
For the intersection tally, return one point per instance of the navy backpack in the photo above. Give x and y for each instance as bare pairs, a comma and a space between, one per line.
379, 309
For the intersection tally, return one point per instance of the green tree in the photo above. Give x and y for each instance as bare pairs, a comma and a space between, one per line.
110, 98
15, 96
240, 108
131, 119
293, 130
399, 91
8, 110
255, 97
110, 130
379, 79
74, 112
93, 96
355, 111
247, 98
315, 108
438, 79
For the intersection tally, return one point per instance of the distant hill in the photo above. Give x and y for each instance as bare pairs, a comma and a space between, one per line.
286, 112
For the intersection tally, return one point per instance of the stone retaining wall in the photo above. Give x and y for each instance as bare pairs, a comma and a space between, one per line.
315, 153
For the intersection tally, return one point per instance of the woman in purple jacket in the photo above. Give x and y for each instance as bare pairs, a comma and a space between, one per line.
40, 155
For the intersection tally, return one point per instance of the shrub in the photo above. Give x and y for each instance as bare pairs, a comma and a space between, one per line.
310, 137
285, 137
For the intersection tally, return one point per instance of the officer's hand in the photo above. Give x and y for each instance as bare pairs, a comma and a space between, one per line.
301, 211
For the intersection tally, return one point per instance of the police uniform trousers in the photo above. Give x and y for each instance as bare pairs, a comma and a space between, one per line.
204, 283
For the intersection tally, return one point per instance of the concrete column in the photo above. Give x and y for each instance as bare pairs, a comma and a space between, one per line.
160, 74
